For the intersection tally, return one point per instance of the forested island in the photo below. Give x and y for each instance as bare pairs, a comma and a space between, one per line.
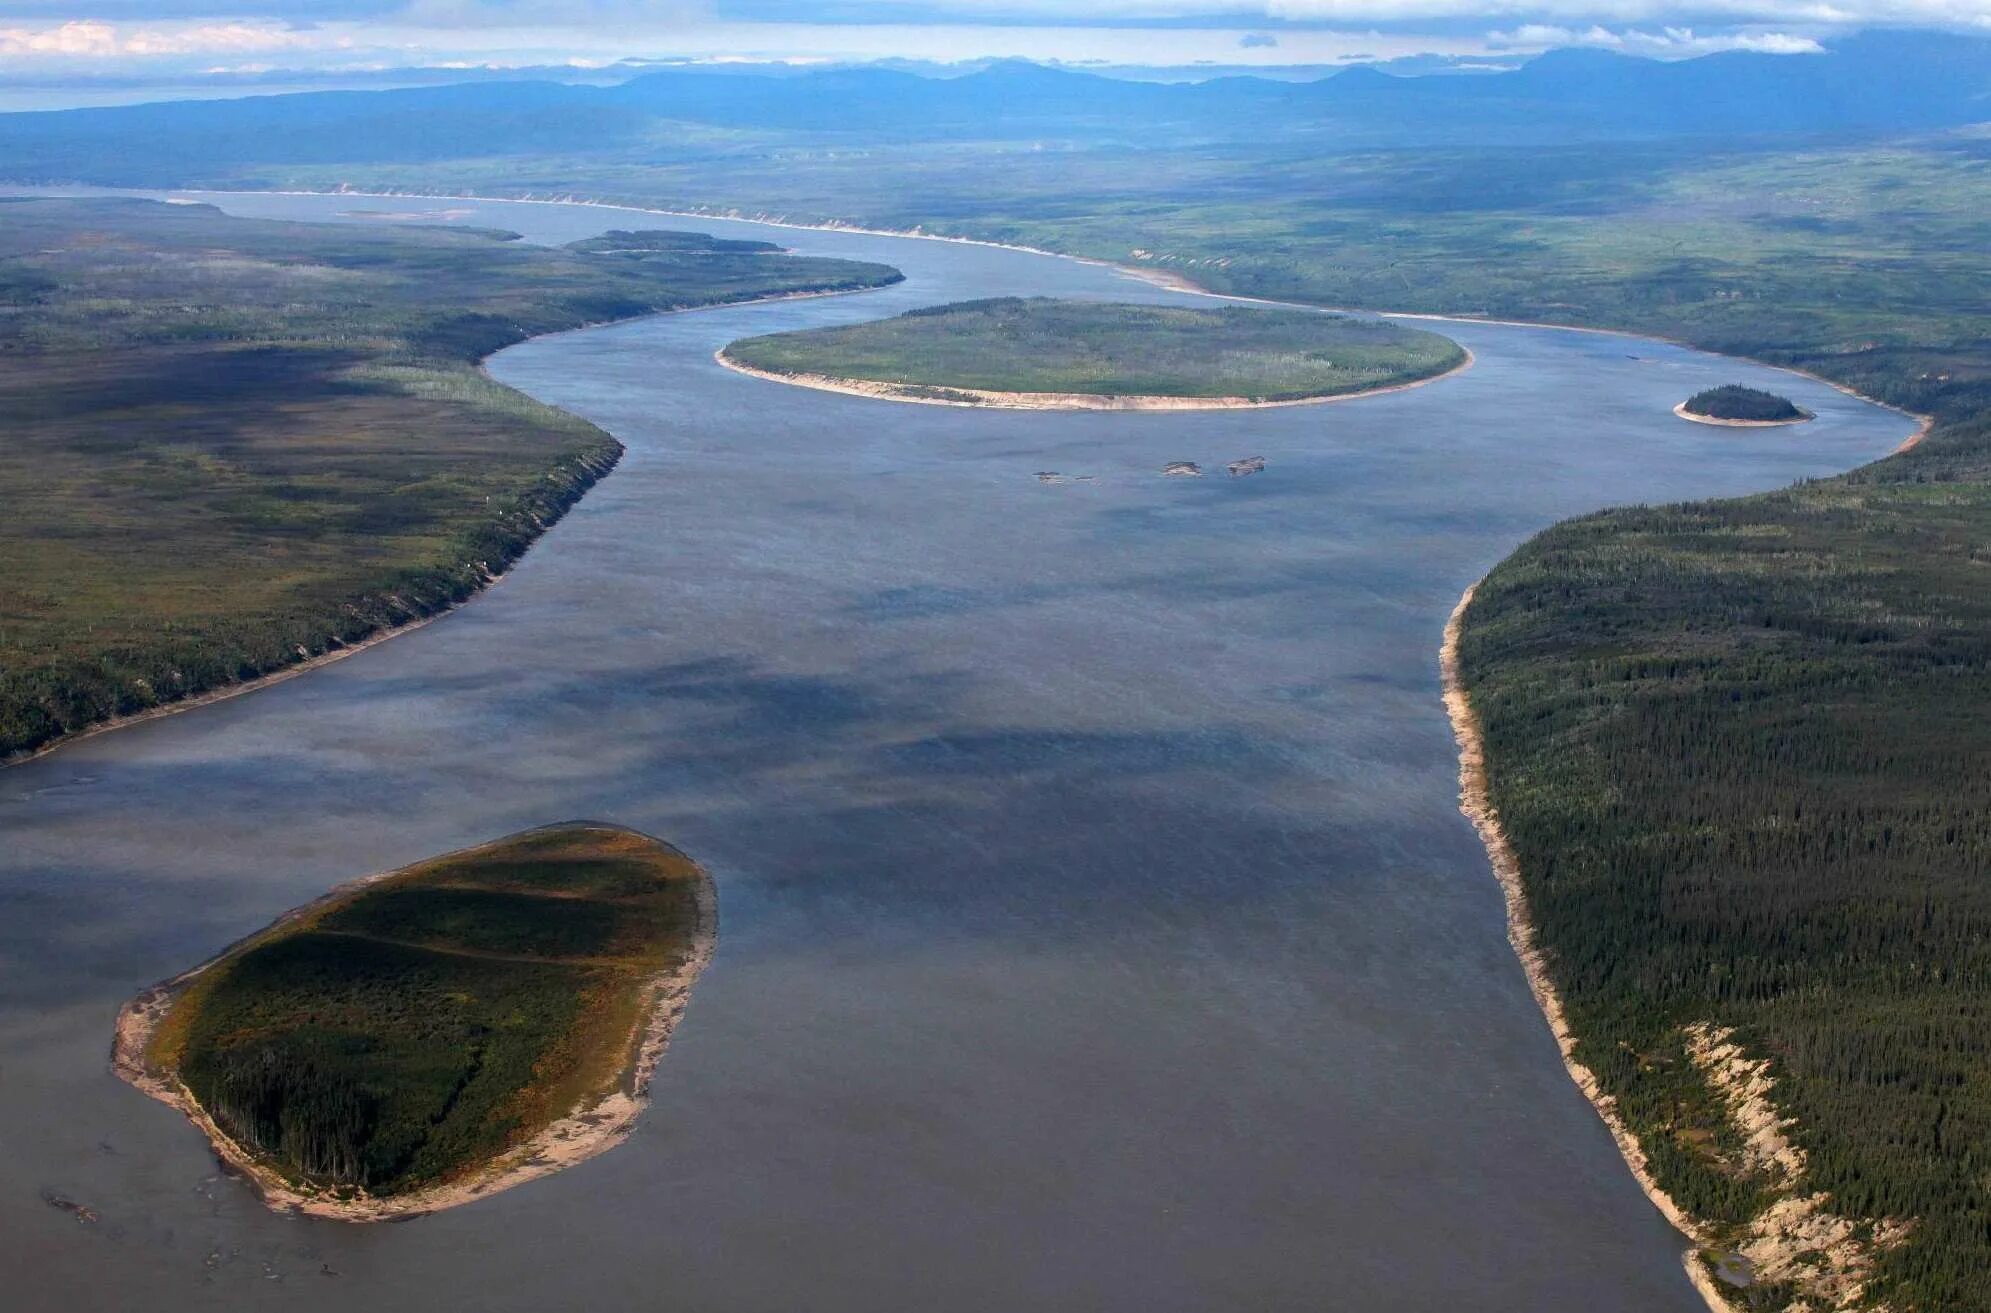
1044, 353
667, 241
1743, 406
235, 446
426, 1037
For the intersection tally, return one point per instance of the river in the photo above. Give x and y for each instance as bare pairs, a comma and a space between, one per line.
1098, 930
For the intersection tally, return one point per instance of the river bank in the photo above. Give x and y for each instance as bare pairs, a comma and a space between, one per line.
1476, 803
1795, 1240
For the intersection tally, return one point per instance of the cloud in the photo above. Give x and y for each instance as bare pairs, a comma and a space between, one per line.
1836, 13
650, 14
1257, 41
1670, 42
1577, 14
94, 39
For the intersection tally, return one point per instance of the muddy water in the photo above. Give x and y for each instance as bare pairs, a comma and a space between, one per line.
1097, 928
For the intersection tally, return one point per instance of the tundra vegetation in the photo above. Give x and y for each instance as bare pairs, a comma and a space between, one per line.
412, 1029
1045, 345
234, 444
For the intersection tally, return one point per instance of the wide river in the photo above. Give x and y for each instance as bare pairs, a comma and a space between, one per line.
1098, 929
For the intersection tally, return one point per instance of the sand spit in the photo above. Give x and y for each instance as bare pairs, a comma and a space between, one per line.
573, 1139
931, 395
1828, 1258
1802, 417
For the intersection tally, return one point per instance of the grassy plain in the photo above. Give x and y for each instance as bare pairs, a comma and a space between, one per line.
1043, 345
411, 1030
233, 445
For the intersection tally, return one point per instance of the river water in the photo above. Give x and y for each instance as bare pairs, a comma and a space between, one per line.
1098, 931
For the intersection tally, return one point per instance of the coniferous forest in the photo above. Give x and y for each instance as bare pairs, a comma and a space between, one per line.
1740, 752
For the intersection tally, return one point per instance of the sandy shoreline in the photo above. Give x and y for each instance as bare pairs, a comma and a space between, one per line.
573, 1139
1802, 417
983, 398
1475, 801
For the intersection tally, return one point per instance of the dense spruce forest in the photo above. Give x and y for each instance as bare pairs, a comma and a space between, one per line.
1041, 344
1732, 401
419, 1027
235, 444
1740, 750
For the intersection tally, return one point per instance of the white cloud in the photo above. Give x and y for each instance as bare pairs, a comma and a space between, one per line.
1666, 43
91, 39
1949, 13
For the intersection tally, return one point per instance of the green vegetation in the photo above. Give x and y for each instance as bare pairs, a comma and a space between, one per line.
410, 1030
1736, 745
1739, 749
1732, 401
653, 241
1044, 345
1818, 651
237, 444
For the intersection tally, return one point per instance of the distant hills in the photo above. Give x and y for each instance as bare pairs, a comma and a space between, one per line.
1873, 82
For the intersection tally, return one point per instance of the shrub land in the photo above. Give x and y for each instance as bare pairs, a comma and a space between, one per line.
1044, 345
415, 1028
236, 444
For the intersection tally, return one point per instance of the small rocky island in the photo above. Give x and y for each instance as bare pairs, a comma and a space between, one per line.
419, 1039
1742, 407
1041, 353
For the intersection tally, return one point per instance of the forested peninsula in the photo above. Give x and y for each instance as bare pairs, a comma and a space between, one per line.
1042, 353
236, 446
429, 1036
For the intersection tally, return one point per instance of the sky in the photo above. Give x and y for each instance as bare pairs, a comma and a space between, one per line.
44, 42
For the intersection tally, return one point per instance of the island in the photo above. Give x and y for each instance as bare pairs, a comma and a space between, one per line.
1741, 407
1041, 353
668, 241
428, 1036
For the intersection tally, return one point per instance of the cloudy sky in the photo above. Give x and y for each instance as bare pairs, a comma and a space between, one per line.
45, 40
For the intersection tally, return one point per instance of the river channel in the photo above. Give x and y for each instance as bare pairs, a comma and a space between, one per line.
1097, 927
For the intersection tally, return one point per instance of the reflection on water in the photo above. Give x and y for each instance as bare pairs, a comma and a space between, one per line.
1100, 931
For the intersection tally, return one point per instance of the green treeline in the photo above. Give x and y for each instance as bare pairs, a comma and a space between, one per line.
423, 1025
1733, 401
236, 444
622, 241
1038, 344
1740, 749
